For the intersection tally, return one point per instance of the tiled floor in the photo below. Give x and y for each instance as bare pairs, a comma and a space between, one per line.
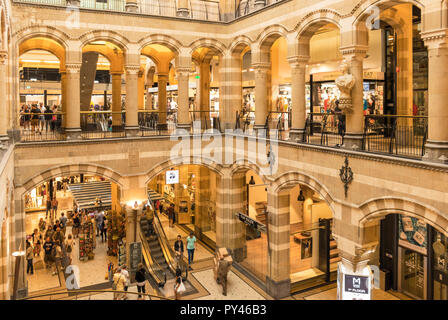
237, 289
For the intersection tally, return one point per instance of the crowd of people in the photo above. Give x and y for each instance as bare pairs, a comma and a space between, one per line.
37, 118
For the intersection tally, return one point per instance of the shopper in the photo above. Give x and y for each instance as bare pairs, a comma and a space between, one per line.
42, 225
125, 274
118, 284
48, 116
99, 217
140, 278
104, 230
63, 222
37, 242
191, 240
48, 249
69, 243
50, 232
54, 205
179, 251
76, 224
29, 258
58, 237
179, 287
48, 207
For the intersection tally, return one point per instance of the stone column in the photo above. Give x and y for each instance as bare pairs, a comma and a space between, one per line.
3, 102
182, 8
436, 148
132, 127
64, 97
116, 101
141, 90
133, 216
162, 79
278, 278
73, 128
183, 119
355, 119
204, 93
298, 112
131, 6
202, 201
261, 93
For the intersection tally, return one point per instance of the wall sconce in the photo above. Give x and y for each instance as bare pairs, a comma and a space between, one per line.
252, 181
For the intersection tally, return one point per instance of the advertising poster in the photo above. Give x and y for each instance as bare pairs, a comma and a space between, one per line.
412, 233
172, 176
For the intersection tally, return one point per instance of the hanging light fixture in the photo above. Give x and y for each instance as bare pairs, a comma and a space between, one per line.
301, 197
252, 181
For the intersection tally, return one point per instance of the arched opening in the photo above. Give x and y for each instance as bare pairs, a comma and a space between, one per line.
75, 231
42, 71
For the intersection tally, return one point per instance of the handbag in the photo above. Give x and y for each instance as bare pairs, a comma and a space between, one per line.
181, 287
114, 284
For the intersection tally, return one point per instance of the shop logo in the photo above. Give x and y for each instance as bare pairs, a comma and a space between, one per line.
356, 283
225, 149
72, 278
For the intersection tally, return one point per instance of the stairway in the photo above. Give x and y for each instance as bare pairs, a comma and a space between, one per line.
86, 193
334, 252
155, 248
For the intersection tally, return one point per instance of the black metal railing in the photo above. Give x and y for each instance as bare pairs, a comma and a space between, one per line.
150, 122
102, 124
204, 120
395, 134
41, 126
325, 129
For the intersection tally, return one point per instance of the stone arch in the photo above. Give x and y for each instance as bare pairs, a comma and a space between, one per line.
71, 169
159, 168
173, 44
213, 44
239, 44
268, 36
105, 35
375, 209
321, 15
45, 44
44, 32
244, 165
291, 178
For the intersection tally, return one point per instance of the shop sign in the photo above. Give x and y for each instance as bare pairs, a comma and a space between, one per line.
250, 222
136, 255
412, 233
354, 286
331, 76
172, 176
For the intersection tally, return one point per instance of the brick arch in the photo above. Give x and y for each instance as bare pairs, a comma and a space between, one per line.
173, 44
290, 179
376, 209
269, 35
176, 162
244, 165
105, 35
316, 17
239, 44
43, 32
71, 170
212, 44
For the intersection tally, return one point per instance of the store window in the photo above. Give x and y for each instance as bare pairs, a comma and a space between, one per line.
440, 266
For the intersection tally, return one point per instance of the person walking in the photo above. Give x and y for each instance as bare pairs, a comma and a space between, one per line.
104, 230
42, 225
76, 224
48, 249
63, 222
118, 284
69, 243
140, 278
48, 116
125, 274
179, 251
48, 207
54, 206
57, 258
29, 258
179, 287
58, 237
37, 242
191, 240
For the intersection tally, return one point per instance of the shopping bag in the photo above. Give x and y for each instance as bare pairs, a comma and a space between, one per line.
181, 288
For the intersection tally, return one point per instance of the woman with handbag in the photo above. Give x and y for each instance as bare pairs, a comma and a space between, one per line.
118, 284
140, 278
179, 286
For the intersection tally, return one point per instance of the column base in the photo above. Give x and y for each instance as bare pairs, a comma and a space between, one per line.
73, 134
238, 254
4, 142
183, 12
436, 151
296, 135
162, 126
132, 131
131, 7
14, 134
278, 289
352, 141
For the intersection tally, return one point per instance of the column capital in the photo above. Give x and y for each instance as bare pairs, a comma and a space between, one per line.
72, 67
355, 52
183, 71
162, 76
132, 69
3, 56
298, 61
435, 39
261, 66
116, 73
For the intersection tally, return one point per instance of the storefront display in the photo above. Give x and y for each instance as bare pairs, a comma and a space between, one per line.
214, 102
87, 241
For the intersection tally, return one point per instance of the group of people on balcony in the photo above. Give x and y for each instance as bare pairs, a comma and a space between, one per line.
38, 118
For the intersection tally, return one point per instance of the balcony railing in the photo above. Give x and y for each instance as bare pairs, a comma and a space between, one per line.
246, 7
41, 126
150, 122
197, 9
102, 124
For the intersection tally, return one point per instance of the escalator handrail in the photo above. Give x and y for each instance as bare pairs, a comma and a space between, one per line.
151, 261
164, 243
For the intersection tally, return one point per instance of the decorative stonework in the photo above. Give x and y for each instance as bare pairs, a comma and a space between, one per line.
345, 83
3, 57
298, 61
132, 69
72, 67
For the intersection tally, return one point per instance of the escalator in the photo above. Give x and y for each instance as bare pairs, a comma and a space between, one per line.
158, 254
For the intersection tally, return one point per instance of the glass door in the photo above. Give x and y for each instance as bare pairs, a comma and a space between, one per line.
413, 273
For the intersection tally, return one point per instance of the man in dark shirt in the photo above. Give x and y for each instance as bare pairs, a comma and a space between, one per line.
48, 117
35, 119
48, 248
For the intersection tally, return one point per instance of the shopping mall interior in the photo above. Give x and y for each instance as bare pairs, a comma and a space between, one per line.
303, 145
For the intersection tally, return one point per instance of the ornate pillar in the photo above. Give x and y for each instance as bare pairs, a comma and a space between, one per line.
354, 56
183, 119
278, 278
204, 92
73, 128
182, 8
64, 97
162, 79
133, 215
261, 93
141, 89
132, 72
436, 148
131, 6
298, 112
3, 102
116, 101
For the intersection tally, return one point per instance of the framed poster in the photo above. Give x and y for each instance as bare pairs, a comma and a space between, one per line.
306, 248
172, 176
412, 233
